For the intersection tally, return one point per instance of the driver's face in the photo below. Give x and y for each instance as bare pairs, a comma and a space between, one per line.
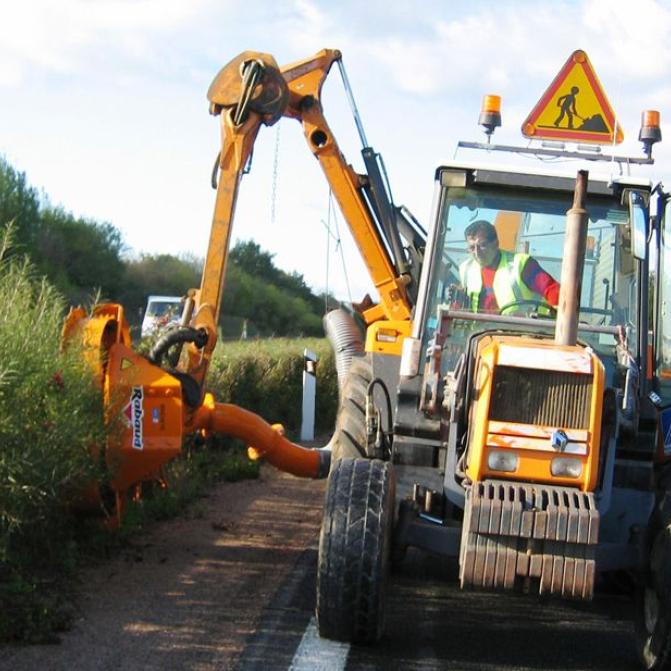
484, 251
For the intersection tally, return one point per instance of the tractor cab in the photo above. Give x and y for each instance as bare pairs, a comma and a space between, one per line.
528, 214
495, 384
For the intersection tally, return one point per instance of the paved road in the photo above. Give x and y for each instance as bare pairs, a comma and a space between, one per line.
432, 624
231, 586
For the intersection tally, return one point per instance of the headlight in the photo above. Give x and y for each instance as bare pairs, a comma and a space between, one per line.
566, 467
499, 460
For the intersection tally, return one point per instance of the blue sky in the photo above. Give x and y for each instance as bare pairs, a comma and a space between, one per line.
102, 103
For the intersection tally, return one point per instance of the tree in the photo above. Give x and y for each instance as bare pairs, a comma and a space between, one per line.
79, 255
20, 204
273, 301
161, 274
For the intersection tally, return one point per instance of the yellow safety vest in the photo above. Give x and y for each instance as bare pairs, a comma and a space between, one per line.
508, 284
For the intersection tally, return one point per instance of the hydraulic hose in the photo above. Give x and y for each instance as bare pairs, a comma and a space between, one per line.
176, 336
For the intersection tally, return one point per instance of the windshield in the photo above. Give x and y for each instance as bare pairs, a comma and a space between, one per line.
522, 278
169, 309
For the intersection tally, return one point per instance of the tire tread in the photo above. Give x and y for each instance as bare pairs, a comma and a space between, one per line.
354, 550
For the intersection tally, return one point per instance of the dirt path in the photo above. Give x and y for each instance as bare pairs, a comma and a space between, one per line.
190, 592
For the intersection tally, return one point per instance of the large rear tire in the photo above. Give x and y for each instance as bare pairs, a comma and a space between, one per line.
354, 549
653, 598
349, 437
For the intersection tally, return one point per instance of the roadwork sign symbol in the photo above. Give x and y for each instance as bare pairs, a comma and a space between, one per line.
574, 108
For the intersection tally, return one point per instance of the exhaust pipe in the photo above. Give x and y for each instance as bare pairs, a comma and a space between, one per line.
566, 328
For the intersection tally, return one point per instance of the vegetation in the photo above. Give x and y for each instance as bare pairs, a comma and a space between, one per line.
266, 377
51, 412
263, 298
160, 274
273, 302
77, 255
50, 416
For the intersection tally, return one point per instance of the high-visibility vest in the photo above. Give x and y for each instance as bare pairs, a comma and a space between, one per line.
508, 284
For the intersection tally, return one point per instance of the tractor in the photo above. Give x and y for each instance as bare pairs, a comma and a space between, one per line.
528, 438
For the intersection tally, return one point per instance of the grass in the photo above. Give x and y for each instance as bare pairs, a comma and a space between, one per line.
50, 415
189, 477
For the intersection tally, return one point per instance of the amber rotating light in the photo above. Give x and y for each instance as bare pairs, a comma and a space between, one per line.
490, 114
650, 131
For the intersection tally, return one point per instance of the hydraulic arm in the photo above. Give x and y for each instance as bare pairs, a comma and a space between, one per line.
153, 401
252, 91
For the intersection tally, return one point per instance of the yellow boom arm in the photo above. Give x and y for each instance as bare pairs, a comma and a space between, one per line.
152, 408
248, 92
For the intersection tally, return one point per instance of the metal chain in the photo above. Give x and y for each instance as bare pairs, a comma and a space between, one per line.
276, 161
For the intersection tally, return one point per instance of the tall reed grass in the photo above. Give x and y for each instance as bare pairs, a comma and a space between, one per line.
50, 416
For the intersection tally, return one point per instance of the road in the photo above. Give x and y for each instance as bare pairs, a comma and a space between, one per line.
432, 624
231, 586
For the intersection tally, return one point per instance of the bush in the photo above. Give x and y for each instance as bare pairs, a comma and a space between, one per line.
266, 377
50, 416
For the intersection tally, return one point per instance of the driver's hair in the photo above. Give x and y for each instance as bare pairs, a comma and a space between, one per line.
481, 227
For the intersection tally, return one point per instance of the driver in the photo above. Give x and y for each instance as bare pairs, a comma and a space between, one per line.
493, 278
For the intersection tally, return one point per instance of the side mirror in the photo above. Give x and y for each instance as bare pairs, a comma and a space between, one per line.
638, 223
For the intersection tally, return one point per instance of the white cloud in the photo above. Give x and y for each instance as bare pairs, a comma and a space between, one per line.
499, 43
62, 35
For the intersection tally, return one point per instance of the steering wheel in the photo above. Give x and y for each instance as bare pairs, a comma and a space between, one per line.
595, 311
530, 308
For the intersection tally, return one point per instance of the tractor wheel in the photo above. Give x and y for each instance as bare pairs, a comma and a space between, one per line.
354, 548
349, 438
653, 605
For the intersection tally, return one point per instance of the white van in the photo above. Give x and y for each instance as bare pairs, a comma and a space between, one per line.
161, 311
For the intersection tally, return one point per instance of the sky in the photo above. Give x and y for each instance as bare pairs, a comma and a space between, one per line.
103, 105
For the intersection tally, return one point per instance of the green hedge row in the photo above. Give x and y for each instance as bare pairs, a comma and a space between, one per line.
266, 377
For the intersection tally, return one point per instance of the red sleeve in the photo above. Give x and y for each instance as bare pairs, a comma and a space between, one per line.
540, 282
552, 293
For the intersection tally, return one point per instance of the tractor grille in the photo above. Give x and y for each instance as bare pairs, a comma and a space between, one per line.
531, 396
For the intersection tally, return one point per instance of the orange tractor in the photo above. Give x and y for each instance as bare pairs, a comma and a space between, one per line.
531, 440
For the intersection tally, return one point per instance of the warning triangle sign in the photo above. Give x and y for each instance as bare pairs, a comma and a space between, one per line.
574, 108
